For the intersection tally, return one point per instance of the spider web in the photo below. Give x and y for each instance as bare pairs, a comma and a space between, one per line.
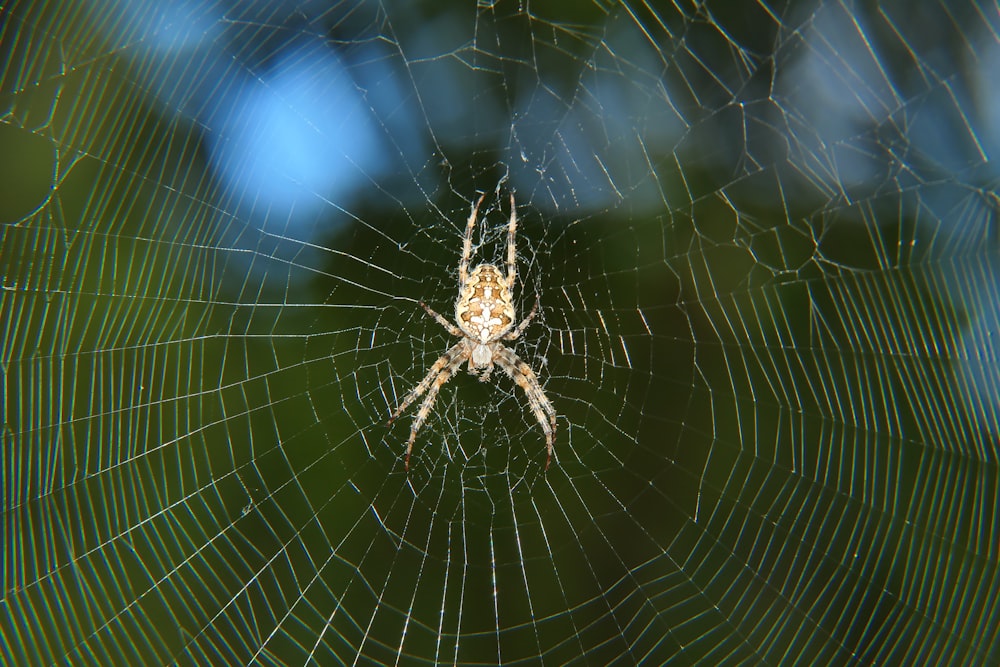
764, 240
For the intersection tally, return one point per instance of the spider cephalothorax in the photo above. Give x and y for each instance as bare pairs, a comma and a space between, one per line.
485, 315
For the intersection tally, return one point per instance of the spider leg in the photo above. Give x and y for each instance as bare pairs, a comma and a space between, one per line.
463, 265
436, 376
425, 409
526, 379
519, 329
452, 329
511, 248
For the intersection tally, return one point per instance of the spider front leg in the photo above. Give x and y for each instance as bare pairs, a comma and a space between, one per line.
539, 403
425, 409
438, 374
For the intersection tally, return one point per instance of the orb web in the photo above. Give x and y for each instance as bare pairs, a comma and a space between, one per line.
764, 245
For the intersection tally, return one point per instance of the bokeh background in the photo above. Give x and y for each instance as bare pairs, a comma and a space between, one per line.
764, 239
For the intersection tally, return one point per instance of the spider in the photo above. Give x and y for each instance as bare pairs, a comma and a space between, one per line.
484, 313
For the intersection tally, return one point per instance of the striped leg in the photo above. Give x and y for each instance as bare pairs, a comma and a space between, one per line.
436, 376
540, 405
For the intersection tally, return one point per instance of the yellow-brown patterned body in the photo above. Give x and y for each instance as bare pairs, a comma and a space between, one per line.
484, 318
484, 310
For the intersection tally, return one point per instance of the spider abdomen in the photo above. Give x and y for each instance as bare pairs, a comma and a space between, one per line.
484, 310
